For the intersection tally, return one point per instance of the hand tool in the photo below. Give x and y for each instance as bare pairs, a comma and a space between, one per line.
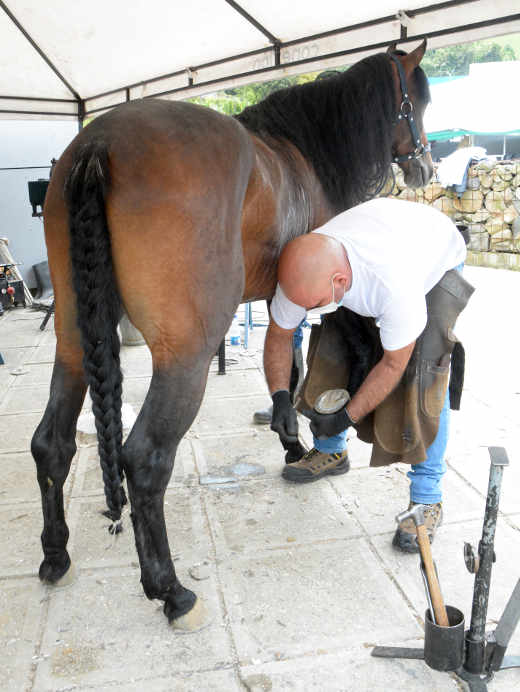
416, 513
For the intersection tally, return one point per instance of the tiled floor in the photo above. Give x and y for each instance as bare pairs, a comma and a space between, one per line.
299, 582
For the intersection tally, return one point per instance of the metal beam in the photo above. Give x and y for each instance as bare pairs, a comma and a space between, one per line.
63, 115
275, 41
37, 48
37, 98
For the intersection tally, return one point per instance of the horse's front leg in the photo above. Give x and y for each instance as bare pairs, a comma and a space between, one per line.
170, 407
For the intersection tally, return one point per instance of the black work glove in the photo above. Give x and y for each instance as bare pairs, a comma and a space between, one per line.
283, 419
328, 425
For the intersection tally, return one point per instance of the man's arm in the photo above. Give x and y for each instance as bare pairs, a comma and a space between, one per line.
380, 381
278, 357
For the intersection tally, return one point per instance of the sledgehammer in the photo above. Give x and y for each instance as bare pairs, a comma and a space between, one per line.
439, 609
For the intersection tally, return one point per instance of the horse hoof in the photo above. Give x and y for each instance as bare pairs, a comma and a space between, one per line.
68, 578
194, 620
57, 578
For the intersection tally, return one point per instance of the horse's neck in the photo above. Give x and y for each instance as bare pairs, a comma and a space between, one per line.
284, 200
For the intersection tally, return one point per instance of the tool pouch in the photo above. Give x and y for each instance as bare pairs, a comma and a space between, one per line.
346, 346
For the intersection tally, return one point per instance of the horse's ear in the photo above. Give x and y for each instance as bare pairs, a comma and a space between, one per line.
412, 60
391, 48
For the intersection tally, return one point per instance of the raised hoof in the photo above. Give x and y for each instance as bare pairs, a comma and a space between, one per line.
57, 577
194, 620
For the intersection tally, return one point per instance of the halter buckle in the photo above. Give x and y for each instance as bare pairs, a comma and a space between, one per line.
406, 108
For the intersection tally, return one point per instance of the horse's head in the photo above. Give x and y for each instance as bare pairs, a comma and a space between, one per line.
410, 148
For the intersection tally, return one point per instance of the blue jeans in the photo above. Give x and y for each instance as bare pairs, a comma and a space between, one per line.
425, 478
298, 336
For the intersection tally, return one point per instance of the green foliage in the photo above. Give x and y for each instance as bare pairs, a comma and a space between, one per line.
455, 60
233, 100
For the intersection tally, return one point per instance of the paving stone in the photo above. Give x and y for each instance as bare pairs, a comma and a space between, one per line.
42, 354
297, 601
37, 373
19, 618
135, 390
270, 514
347, 671
208, 681
92, 546
216, 417
90, 478
13, 357
136, 361
376, 495
474, 467
19, 482
20, 545
25, 399
21, 337
241, 383
258, 448
17, 430
102, 629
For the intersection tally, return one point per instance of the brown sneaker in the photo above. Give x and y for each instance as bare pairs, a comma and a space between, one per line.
405, 537
314, 465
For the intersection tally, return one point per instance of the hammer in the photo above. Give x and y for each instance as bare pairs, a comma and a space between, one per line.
439, 609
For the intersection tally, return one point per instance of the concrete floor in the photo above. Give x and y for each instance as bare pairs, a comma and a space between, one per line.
300, 582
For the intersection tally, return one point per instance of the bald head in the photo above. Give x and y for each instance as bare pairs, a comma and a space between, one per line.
306, 267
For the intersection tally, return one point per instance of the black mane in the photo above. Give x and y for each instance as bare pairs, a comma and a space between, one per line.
343, 125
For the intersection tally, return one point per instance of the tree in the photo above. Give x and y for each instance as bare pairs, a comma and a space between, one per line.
455, 60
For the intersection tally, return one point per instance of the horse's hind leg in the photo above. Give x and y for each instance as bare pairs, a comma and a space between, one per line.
53, 447
173, 400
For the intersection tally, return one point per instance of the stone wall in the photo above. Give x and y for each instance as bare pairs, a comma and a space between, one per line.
490, 207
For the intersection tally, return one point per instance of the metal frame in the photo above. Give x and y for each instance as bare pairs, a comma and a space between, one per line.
276, 47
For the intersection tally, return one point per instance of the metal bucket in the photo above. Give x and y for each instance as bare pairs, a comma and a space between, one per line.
444, 646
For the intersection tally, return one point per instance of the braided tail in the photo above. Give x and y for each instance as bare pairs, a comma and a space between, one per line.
99, 311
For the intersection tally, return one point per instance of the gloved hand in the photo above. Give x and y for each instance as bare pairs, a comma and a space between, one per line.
283, 419
327, 425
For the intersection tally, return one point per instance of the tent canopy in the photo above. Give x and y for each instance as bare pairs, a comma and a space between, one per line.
63, 59
487, 101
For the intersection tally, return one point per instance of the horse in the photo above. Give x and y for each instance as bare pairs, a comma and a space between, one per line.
210, 201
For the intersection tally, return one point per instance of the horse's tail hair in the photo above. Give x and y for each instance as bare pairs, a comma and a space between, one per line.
99, 311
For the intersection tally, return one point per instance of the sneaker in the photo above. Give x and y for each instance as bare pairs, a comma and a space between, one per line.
264, 416
405, 537
314, 465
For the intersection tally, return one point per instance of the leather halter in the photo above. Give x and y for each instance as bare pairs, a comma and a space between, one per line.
406, 111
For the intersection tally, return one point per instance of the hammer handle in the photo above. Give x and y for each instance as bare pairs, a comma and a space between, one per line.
441, 616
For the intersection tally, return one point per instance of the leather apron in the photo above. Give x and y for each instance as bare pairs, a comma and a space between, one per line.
346, 346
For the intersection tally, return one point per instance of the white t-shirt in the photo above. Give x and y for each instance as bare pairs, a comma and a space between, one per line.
398, 251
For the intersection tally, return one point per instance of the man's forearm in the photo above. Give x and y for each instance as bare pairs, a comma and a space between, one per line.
278, 357
380, 381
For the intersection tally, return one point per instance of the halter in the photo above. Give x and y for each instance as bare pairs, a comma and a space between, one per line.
406, 112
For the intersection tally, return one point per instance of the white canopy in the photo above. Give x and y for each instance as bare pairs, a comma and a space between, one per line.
63, 59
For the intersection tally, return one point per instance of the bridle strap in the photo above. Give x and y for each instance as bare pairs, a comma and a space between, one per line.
406, 111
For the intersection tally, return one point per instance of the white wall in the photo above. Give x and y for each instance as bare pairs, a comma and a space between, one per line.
27, 143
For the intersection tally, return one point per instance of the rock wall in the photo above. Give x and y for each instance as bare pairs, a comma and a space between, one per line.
490, 205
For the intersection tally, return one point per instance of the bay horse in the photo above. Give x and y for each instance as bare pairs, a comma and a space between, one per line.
209, 201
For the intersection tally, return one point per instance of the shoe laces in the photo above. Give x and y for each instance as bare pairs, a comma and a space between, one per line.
311, 454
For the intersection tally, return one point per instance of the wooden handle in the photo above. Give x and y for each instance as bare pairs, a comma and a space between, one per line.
439, 610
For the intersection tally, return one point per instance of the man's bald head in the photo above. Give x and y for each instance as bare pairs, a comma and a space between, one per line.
306, 266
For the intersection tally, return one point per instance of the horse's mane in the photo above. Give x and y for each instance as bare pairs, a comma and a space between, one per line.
342, 125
